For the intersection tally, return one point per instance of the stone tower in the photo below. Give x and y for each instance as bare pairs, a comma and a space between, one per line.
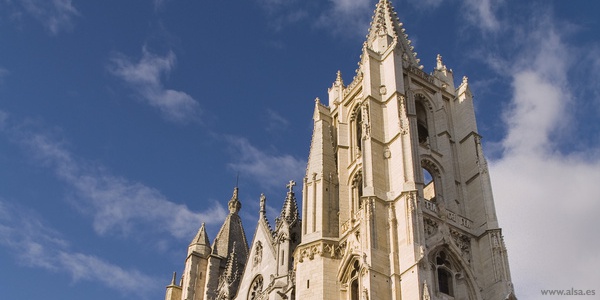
397, 201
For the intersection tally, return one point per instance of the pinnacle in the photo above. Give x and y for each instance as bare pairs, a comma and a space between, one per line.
289, 211
385, 24
201, 237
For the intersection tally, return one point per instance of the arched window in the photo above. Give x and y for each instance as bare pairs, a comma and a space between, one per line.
356, 132
428, 185
256, 288
358, 129
422, 125
354, 293
444, 274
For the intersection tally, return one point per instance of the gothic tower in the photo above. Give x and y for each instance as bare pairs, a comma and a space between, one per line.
397, 201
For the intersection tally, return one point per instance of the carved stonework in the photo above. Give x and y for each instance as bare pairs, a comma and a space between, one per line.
431, 227
463, 242
366, 125
498, 255
323, 249
402, 115
257, 254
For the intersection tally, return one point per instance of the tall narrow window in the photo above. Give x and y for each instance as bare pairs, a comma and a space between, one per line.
354, 293
422, 128
444, 274
358, 128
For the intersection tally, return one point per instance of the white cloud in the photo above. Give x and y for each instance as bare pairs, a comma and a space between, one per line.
36, 245
117, 205
546, 200
145, 78
347, 17
481, 13
55, 15
269, 171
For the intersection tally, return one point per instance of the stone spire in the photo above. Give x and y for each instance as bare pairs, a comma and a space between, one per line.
201, 237
200, 244
232, 235
386, 29
289, 212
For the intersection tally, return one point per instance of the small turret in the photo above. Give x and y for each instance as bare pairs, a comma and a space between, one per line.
200, 244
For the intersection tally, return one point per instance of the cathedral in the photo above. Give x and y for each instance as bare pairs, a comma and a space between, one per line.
396, 202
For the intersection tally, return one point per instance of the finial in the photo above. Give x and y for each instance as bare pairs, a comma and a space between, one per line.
174, 277
234, 204
440, 64
465, 80
317, 100
263, 199
290, 186
338, 79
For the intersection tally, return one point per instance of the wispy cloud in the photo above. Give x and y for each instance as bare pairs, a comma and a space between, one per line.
347, 17
144, 77
268, 170
339, 17
545, 195
481, 13
276, 122
36, 245
117, 205
55, 15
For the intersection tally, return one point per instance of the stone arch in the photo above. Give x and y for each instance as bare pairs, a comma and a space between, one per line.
356, 130
424, 108
434, 186
349, 275
462, 277
256, 288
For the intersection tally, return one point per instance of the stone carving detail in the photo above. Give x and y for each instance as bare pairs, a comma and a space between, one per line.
498, 255
366, 125
431, 227
402, 115
257, 254
463, 242
323, 249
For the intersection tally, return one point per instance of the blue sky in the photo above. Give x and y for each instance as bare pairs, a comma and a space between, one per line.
123, 125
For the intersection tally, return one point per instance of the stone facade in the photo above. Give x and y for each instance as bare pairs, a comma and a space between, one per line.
396, 201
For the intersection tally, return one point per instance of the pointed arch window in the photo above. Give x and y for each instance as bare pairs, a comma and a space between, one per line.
444, 274
356, 131
428, 185
354, 291
422, 125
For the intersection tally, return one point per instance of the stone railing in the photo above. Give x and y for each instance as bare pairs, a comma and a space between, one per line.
431, 206
458, 219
